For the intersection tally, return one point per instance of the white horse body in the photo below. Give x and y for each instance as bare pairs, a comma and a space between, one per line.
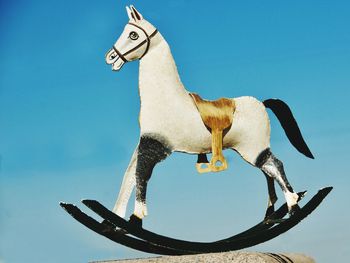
170, 121
164, 100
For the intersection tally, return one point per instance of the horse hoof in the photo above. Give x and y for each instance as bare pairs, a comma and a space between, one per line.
135, 221
293, 210
269, 211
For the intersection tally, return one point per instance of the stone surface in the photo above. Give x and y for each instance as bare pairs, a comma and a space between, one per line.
226, 257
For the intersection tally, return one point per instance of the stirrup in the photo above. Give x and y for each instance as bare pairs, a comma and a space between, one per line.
202, 164
218, 162
203, 168
212, 166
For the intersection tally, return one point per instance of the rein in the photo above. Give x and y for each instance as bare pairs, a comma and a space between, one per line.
147, 40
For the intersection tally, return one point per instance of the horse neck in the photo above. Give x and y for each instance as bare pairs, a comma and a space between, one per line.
158, 75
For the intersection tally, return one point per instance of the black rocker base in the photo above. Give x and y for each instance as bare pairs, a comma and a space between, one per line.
134, 222
150, 242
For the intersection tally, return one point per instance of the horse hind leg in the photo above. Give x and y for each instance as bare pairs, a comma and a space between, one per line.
272, 196
273, 167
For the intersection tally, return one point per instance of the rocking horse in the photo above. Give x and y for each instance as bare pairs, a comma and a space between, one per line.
174, 120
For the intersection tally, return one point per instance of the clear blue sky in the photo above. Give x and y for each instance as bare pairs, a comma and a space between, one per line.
65, 134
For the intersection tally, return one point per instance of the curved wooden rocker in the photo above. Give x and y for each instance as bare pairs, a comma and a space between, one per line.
150, 242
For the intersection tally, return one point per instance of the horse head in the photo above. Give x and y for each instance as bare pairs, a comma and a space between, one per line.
134, 42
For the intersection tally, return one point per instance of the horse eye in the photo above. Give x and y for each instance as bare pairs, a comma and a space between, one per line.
133, 35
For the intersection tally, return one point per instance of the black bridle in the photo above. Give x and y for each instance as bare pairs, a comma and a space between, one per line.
146, 41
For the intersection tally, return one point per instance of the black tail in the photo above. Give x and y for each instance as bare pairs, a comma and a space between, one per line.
289, 124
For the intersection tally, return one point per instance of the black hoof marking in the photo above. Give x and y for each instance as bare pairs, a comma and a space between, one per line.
135, 221
295, 209
269, 211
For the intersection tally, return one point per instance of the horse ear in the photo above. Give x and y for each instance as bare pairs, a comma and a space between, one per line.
136, 14
129, 13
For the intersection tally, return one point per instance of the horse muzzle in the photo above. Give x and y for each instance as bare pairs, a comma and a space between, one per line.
112, 58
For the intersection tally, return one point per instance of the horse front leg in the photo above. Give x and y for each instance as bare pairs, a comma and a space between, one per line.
150, 152
127, 186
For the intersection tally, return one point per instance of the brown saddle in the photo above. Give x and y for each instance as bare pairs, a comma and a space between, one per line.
217, 116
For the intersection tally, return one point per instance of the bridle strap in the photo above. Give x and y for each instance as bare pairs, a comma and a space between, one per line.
147, 40
120, 54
